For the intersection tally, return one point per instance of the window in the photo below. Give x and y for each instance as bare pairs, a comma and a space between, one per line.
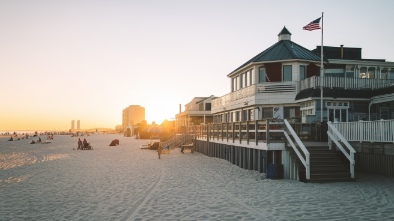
237, 116
363, 72
302, 72
267, 112
244, 115
287, 73
207, 106
262, 74
246, 82
200, 106
233, 85
334, 72
251, 77
391, 73
291, 112
349, 71
384, 73
384, 113
371, 72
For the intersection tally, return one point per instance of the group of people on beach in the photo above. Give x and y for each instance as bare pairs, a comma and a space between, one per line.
83, 145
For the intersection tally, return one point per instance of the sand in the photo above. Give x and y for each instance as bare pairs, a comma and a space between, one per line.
54, 182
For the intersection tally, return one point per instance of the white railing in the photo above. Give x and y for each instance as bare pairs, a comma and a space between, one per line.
367, 131
335, 136
346, 83
305, 161
260, 88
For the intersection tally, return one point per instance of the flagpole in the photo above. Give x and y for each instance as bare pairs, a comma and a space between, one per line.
321, 71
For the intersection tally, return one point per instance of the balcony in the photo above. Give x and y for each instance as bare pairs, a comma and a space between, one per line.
345, 83
269, 89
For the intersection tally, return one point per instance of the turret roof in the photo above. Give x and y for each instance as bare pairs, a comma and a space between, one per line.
282, 50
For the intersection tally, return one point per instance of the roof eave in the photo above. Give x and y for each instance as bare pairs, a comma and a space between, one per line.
248, 66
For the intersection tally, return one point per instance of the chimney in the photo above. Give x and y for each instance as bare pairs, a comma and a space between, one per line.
341, 51
180, 108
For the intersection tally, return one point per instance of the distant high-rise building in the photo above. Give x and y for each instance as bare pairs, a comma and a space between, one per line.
78, 125
132, 115
72, 126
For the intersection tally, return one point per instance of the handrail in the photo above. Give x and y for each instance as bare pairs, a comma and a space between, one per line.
306, 161
336, 136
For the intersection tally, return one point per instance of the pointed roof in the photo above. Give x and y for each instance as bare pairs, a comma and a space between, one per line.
282, 50
284, 31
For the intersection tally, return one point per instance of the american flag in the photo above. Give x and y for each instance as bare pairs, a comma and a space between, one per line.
313, 25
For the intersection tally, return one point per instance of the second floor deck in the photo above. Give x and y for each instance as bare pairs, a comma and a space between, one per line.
292, 88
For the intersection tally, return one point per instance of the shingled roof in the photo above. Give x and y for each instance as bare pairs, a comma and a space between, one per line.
282, 50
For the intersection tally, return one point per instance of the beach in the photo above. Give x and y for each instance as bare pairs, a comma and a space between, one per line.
54, 182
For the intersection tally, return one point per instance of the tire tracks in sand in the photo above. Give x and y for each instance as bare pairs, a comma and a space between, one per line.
140, 203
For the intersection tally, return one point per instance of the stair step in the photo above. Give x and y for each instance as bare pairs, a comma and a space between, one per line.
325, 165
329, 175
327, 180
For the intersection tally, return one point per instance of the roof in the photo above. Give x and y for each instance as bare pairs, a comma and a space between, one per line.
342, 93
284, 32
282, 50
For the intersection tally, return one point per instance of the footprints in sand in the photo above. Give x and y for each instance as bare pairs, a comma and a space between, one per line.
12, 160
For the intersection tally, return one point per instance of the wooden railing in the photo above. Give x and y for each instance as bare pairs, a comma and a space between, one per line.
259, 131
345, 83
335, 136
381, 131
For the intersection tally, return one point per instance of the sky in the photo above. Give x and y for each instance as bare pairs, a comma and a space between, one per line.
88, 60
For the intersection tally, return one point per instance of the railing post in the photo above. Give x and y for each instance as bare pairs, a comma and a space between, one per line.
308, 167
227, 132
247, 132
256, 128
352, 164
233, 132
267, 129
239, 133
207, 132
222, 131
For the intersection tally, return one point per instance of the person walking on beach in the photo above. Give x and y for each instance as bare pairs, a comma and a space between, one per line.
79, 144
159, 150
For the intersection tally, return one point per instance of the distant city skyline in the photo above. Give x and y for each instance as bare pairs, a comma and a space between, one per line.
87, 60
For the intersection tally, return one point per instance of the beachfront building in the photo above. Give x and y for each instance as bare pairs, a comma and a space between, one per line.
283, 82
132, 115
283, 87
197, 111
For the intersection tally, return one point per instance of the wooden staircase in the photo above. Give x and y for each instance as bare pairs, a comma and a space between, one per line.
325, 166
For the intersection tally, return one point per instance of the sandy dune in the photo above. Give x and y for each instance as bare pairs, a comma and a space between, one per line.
55, 182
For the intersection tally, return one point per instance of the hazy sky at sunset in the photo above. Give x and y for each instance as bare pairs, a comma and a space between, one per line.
88, 60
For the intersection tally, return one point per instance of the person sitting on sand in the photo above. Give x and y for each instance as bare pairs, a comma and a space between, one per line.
32, 142
85, 143
39, 140
11, 139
